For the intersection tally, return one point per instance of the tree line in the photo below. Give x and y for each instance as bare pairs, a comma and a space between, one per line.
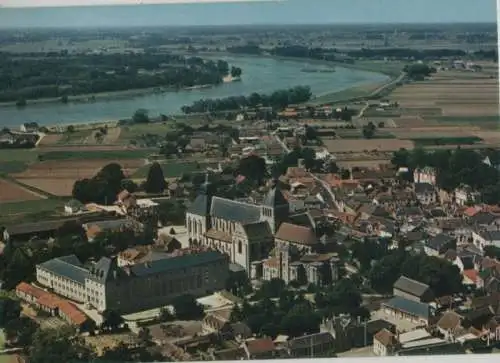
39, 76
277, 100
455, 167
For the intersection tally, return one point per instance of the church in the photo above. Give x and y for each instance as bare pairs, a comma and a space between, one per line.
244, 231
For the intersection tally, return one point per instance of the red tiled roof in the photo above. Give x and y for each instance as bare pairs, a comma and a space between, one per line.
471, 275
296, 234
29, 289
258, 346
72, 312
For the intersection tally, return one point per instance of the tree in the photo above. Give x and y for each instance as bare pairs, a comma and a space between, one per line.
141, 116
20, 331
11, 309
111, 319
21, 102
64, 99
61, 345
254, 168
145, 336
235, 71
70, 129
187, 308
166, 315
155, 182
369, 130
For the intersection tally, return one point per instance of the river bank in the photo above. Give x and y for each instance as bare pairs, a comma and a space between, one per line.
109, 96
262, 75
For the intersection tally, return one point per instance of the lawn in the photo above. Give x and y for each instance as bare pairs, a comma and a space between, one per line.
173, 169
101, 155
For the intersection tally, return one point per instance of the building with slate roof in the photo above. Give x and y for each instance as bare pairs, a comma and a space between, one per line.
412, 290
413, 311
243, 231
150, 284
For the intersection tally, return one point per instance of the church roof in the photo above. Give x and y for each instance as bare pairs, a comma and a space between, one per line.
231, 210
257, 229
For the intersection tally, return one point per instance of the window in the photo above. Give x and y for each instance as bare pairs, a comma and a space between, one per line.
240, 247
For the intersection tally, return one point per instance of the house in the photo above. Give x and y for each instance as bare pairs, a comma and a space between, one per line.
413, 290
73, 206
262, 348
29, 127
384, 343
464, 195
311, 346
413, 311
425, 175
450, 325
426, 193
300, 237
483, 238
439, 244
7, 137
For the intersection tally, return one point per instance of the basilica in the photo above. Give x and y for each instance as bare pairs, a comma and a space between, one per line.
242, 230
260, 238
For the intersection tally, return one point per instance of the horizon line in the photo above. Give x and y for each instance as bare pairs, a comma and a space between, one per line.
110, 3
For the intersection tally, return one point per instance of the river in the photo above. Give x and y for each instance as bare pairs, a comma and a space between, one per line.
262, 75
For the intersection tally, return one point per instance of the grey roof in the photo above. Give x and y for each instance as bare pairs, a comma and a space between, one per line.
314, 339
175, 263
439, 241
408, 306
483, 218
201, 204
231, 210
410, 286
257, 229
303, 219
68, 267
490, 235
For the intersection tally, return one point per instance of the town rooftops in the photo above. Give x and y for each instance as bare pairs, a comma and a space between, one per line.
409, 307
410, 286
296, 234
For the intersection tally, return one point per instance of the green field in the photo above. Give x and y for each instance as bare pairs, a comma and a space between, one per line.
32, 206
93, 155
10, 167
76, 137
24, 155
436, 141
173, 169
130, 132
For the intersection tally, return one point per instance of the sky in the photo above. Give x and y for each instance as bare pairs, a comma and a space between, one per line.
40, 13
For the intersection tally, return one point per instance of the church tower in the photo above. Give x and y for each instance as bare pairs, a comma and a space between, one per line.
275, 208
198, 215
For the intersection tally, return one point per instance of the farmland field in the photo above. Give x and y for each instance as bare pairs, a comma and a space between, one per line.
450, 98
84, 154
352, 146
174, 169
10, 192
131, 132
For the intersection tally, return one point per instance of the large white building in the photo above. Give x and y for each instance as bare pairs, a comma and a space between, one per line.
104, 285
